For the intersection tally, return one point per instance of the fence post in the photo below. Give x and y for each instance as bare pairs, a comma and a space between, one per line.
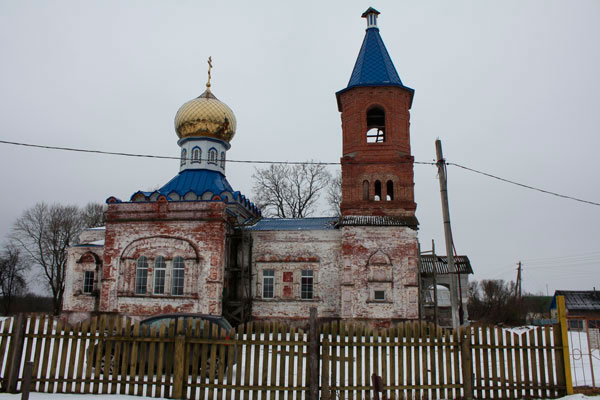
179, 366
15, 352
26, 383
562, 320
313, 356
467, 362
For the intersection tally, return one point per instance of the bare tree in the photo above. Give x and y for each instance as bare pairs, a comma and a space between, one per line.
334, 194
12, 276
45, 232
93, 215
289, 191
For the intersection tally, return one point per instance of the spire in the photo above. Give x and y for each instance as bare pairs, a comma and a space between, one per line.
373, 66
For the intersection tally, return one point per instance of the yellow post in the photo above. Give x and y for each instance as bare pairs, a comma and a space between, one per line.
562, 320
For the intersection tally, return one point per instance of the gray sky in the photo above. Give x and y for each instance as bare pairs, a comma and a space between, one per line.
510, 87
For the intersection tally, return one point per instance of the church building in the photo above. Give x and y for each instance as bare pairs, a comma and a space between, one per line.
196, 245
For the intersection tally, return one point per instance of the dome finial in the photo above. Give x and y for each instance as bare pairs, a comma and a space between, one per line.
371, 16
209, 68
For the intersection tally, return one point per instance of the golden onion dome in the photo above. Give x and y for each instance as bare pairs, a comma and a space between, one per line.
205, 116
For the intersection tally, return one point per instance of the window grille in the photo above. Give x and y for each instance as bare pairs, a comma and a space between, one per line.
159, 275
212, 156
306, 289
88, 282
177, 279
183, 156
141, 275
196, 155
268, 284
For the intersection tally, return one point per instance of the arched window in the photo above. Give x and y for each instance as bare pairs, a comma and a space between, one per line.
377, 191
212, 156
159, 275
390, 191
141, 275
196, 155
183, 156
365, 190
376, 125
177, 278
223, 159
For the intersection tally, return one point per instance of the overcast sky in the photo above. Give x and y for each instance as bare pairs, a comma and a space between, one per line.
510, 87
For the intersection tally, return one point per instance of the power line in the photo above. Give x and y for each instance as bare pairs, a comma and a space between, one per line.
525, 186
114, 153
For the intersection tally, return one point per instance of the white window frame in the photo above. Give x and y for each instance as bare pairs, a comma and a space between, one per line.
268, 281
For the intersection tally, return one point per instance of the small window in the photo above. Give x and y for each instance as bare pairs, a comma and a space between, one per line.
365, 190
183, 156
141, 275
196, 155
390, 191
212, 156
177, 279
377, 191
223, 159
379, 295
159, 275
376, 125
268, 284
88, 282
306, 289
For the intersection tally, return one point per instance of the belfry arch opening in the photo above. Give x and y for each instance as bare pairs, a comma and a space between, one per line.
377, 191
376, 125
390, 191
365, 188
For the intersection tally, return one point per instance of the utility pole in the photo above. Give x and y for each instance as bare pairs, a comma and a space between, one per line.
441, 164
518, 283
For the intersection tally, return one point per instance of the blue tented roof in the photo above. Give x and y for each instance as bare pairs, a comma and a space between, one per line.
198, 181
294, 224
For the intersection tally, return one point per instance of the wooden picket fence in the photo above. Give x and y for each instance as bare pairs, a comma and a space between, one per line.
269, 361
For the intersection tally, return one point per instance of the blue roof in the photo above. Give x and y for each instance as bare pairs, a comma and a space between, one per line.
374, 67
198, 181
294, 224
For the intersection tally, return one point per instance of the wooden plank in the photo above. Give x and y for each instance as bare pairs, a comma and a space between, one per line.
274, 354
283, 350
248, 359
417, 358
393, 379
133, 358
194, 350
439, 338
334, 358
188, 355
231, 357
265, 361
325, 329
549, 362
170, 359
291, 362
424, 359
525, 359
117, 355
409, 362
150, 383
368, 348
486, 361
566, 361
90, 351
221, 363
351, 358
29, 337
73, 358
126, 347
518, 370
326, 392
494, 351
302, 366
478, 361
359, 360
541, 361
258, 331
503, 391
64, 346
446, 371
99, 350
3, 341
162, 332
456, 362
55, 355
533, 361
179, 361
375, 353
141, 363
80, 370
558, 358
204, 357
343, 359
510, 372
40, 336
108, 367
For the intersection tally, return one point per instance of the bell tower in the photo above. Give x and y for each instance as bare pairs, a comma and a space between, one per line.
377, 166
378, 223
